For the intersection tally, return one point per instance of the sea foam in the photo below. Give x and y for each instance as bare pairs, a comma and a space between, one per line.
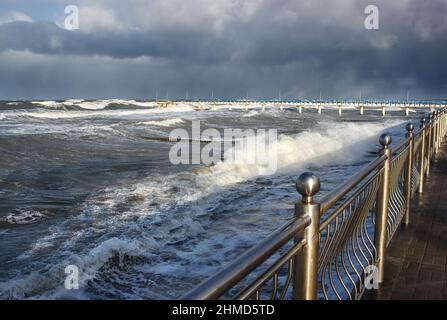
163, 123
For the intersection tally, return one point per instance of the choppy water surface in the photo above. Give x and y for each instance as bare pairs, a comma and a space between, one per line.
80, 184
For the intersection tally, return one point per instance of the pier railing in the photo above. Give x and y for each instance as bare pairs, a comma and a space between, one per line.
335, 247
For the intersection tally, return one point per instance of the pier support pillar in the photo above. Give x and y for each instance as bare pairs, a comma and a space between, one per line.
340, 110
320, 109
362, 110
383, 111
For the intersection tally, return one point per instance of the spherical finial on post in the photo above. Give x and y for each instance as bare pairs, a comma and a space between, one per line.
423, 121
410, 127
308, 185
385, 140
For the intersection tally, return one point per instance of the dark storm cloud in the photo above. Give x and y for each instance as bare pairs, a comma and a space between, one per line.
47, 38
298, 47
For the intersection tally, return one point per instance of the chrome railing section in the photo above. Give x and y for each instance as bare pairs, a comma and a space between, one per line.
228, 277
329, 248
346, 245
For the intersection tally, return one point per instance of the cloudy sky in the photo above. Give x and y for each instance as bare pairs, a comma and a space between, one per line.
134, 48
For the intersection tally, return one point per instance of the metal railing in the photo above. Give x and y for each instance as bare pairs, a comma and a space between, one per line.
325, 252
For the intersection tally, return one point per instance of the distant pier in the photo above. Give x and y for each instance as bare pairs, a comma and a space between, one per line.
363, 108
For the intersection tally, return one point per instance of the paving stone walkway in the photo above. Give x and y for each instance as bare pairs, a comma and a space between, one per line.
417, 255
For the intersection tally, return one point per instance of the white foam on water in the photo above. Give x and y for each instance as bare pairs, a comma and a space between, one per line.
89, 263
91, 105
60, 114
72, 102
163, 123
252, 113
74, 129
48, 104
143, 103
24, 216
104, 113
99, 104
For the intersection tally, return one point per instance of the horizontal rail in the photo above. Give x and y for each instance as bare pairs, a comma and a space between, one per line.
270, 272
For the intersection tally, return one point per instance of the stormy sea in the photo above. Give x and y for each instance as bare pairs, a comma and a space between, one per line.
90, 184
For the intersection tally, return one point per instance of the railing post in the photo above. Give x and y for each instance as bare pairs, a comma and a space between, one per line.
305, 264
438, 142
422, 155
409, 173
381, 218
441, 130
443, 122
438, 130
429, 143
441, 125
435, 135
433, 143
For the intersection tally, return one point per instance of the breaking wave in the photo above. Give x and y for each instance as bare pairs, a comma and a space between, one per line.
325, 147
163, 123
